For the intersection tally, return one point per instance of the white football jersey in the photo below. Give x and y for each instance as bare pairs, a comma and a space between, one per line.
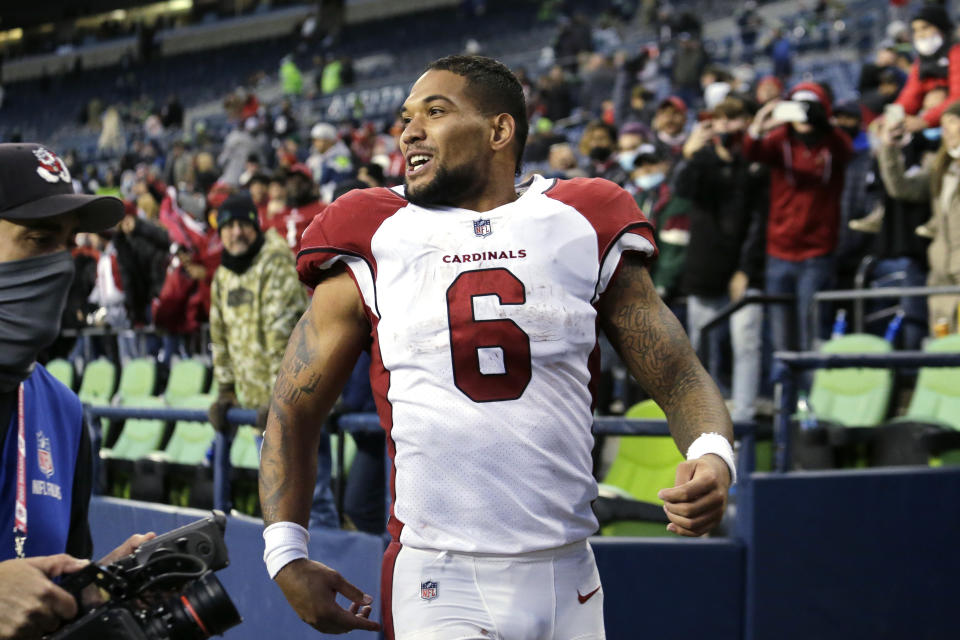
484, 353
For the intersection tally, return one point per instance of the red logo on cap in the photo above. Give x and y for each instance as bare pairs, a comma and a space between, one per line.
51, 168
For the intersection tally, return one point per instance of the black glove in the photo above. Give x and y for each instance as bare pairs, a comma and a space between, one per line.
217, 413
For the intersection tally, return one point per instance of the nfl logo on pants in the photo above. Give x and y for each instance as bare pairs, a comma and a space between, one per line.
428, 590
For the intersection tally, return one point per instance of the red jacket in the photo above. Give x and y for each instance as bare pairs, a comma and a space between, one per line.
292, 222
805, 188
911, 96
184, 303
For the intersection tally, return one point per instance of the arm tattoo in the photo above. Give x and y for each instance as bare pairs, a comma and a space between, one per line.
657, 351
296, 381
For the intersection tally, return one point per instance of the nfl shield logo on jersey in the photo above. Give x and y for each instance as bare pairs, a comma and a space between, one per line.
428, 590
44, 458
481, 228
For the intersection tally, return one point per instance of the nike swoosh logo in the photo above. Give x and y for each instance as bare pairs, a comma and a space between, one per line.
584, 598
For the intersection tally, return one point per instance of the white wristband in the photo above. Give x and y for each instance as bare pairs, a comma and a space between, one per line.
716, 444
285, 542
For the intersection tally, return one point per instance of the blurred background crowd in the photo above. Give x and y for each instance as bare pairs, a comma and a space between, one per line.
780, 148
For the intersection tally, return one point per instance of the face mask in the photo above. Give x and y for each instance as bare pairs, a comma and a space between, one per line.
929, 45
932, 133
730, 139
954, 153
33, 293
600, 154
626, 158
649, 181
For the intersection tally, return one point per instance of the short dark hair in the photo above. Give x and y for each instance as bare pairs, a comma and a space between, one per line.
493, 88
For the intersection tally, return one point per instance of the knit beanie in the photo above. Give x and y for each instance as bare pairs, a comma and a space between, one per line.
937, 16
238, 206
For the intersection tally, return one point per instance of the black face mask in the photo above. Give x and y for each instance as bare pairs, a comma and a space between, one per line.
33, 293
730, 139
600, 154
239, 264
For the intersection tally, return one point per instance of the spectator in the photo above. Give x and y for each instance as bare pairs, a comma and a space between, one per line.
256, 299
183, 304
598, 144
330, 160
768, 88
274, 215
554, 94
291, 79
939, 183
178, 167
724, 259
781, 52
669, 125
858, 199
807, 163
238, 147
598, 78
562, 162
688, 63
142, 250
171, 115
303, 202
258, 185
937, 65
371, 174
652, 193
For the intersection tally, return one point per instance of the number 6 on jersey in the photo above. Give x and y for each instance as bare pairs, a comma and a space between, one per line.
468, 335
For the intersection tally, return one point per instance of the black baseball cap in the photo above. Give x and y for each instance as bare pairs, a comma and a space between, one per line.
35, 184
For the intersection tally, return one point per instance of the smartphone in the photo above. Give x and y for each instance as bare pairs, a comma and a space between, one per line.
893, 114
790, 111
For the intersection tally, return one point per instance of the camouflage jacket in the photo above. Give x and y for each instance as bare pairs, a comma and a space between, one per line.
251, 317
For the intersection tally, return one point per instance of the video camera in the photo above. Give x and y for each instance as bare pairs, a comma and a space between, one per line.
165, 590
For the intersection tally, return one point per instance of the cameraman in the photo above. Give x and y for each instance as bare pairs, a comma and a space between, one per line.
45, 469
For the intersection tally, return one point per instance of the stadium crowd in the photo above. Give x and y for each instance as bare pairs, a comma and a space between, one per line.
755, 182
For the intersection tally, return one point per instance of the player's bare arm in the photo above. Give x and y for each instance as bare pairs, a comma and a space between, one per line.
320, 355
655, 348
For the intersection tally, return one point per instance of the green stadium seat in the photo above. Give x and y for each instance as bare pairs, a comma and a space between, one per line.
139, 437
853, 397
187, 380
349, 452
98, 383
849, 403
178, 474
643, 466
929, 432
137, 380
63, 371
245, 463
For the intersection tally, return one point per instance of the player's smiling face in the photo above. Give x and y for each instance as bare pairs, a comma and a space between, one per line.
443, 141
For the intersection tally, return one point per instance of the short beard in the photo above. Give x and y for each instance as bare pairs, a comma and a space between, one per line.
449, 188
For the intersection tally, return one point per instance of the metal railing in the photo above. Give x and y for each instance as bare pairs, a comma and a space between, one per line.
805, 360
352, 423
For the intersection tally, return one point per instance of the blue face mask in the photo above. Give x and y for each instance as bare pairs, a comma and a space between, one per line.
626, 158
649, 181
932, 133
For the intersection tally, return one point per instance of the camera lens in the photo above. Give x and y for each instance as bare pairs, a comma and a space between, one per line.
202, 610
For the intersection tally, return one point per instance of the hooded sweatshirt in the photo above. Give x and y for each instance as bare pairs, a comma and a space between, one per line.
806, 184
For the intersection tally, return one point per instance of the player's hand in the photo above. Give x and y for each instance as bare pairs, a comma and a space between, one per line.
311, 589
695, 505
31, 604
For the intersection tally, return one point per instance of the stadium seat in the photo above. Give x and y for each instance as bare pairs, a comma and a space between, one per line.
63, 371
187, 380
138, 438
929, 431
643, 466
849, 403
99, 381
137, 380
349, 452
245, 463
178, 474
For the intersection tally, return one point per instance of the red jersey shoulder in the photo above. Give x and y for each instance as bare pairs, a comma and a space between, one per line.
607, 206
345, 227
352, 219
